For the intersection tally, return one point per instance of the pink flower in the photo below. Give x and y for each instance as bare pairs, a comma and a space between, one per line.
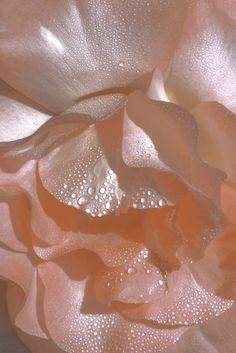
117, 182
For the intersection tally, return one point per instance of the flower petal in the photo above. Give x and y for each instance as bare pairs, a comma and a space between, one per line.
217, 129
138, 281
203, 66
88, 47
19, 117
97, 331
185, 303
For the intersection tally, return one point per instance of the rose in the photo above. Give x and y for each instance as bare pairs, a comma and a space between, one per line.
115, 266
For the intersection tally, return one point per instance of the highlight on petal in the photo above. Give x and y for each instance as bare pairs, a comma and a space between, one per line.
96, 46
19, 116
203, 66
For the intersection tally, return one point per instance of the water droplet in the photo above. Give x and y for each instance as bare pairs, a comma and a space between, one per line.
108, 205
83, 200
121, 64
160, 282
131, 270
143, 200
148, 271
73, 195
102, 190
161, 202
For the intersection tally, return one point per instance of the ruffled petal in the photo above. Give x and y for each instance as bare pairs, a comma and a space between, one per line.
138, 281
185, 303
88, 173
173, 132
72, 326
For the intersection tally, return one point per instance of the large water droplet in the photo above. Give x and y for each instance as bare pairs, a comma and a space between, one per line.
83, 200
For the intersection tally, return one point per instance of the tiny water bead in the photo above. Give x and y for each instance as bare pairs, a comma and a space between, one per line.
131, 270
121, 64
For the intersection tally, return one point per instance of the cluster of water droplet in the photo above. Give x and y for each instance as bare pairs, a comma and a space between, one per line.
97, 190
146, 198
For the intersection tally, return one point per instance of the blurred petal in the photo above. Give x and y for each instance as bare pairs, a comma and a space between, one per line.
88, 47
19, 117
204, 66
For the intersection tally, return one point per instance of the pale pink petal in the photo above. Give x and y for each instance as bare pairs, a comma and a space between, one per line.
138, 281
88, 47
215, 336
12, 230
19, 117
203, 66
185, 303
72, 327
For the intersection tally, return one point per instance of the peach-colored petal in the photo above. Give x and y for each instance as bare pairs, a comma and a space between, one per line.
88, 47
16, 267
217, 130
112, 249
80, 175
228, 200
19, 117
138, 281
229, 6
12, 230
215, 336
185, 303
73, 328
203, 66
99, 107
173, 132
